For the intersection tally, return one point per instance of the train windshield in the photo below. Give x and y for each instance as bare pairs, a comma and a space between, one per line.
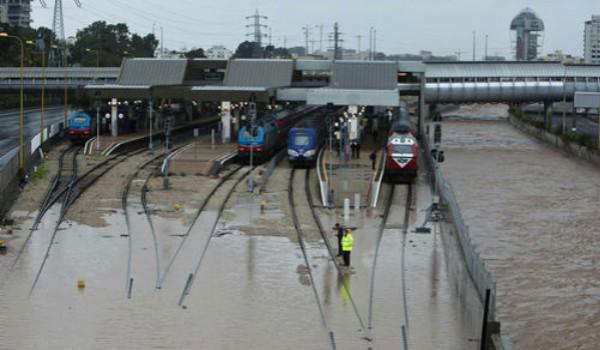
401, 149
301, 140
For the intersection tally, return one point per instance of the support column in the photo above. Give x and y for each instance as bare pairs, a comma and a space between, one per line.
113, 118
548, 115
574, 126
421, 110
226, 121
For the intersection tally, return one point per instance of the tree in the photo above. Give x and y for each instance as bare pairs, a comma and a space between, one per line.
109, 43
248, 49
195, 53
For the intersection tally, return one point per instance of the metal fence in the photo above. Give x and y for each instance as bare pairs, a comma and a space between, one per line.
482, 279
9, 163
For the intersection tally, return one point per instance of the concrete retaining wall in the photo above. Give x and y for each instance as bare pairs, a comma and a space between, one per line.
557, 141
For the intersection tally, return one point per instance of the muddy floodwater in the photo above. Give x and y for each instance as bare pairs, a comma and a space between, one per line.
533, 214
252, 288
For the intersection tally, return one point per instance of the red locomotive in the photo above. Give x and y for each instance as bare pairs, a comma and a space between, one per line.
402, 149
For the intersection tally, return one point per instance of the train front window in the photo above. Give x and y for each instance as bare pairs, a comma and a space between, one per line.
301, 140
402, 149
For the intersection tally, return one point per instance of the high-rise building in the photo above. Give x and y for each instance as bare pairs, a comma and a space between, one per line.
3, 13
591, 41
529, 29
18, 12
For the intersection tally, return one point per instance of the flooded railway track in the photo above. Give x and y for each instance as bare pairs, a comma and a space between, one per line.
55, 190
193, 275
201, 208
66, 202
303, 248
77, 185
380, 234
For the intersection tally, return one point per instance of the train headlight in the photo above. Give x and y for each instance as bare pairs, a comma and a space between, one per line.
292, 153
309, 153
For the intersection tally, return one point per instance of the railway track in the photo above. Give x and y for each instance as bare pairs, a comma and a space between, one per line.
52, 195
66, 202
380, 233
201, 208
75, 188
300, 235
193, 276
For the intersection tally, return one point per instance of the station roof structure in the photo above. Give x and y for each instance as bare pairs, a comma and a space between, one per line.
315, 81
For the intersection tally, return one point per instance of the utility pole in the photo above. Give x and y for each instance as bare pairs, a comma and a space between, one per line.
257, 27
306, 30
337, 50
370, 43
486, 48
374, 44
320, 26
358, 37
285, 42
270, 37
458, 54
162, 41
474, 45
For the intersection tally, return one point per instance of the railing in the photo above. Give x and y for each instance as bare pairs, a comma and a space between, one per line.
323, 181
378, 179
481, 277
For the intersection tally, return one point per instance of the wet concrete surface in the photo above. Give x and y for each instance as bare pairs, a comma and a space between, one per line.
532, 213
251, 290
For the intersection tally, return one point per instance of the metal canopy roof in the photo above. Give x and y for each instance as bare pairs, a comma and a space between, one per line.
364, 75
264, 73
493, 69
154, 72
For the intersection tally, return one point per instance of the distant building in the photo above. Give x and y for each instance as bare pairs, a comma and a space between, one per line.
3, 13
219, 53
591, 45
495, 58
297, 51
529, 28
558, 55
15, 12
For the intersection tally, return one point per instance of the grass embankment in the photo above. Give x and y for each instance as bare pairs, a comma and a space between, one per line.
573, 137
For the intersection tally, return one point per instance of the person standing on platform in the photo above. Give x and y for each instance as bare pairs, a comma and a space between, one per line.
340, 234
347, 242
373, 158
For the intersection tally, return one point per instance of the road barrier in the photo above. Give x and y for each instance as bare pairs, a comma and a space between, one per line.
9, 163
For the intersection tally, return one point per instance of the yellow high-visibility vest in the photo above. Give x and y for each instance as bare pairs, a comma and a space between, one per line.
347, 241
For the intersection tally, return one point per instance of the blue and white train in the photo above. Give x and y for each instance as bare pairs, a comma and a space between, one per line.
306, 139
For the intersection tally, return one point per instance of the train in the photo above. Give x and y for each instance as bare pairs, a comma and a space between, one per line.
80, 127
402, 148
305, 140
268, 135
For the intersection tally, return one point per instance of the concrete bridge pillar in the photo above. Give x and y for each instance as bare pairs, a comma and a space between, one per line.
548, 115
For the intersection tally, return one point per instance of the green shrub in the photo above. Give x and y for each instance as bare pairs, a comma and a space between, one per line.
40, 174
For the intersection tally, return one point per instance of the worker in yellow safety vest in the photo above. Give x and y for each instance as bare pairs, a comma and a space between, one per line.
347, 242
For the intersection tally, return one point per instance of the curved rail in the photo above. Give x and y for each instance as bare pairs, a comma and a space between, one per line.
300, 234
192, 276
323, 234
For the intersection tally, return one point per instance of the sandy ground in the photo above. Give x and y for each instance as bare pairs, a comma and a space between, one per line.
533, 215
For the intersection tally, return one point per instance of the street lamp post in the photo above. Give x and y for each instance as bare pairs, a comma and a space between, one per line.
252, 110
97, 56
98, 96
21, 110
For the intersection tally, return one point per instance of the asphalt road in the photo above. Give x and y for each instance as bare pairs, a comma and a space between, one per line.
9, 125
585, 125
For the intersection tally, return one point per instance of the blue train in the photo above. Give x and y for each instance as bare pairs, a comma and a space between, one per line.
306, 139
269, 134
81, 126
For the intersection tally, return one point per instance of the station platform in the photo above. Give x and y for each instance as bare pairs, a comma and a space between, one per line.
198, 158
109, 144
353, 176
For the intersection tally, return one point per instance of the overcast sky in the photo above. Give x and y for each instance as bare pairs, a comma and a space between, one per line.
442, 26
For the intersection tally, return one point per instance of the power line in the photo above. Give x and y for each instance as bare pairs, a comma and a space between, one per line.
257, 27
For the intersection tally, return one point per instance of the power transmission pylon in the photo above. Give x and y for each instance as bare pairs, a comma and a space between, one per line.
257, 27
58, 29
